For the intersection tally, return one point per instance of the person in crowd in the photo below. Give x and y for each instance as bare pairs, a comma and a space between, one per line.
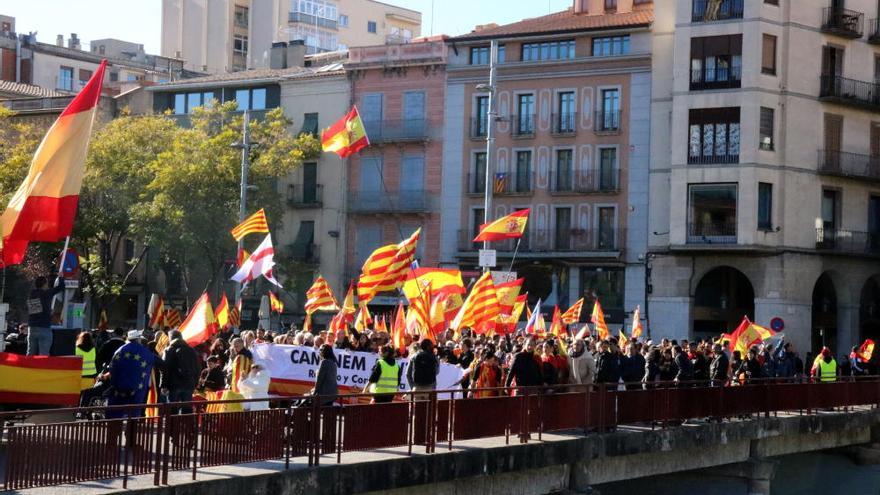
212, 378
39, 306
750, 371
608, 366
700, 364
465, 360
106, 352
785, 361
582, 365
824, 368
181, 371
487, 375
129, 374
768, 361
255, 386
736, 363
652, 368
632, 367
668, 369
855, 363
525, 370
718, 369
548, 364
421, 373
326, 388
385, 378
85, 348
684, 370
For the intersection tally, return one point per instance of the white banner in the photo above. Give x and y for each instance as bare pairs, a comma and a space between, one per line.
294, 369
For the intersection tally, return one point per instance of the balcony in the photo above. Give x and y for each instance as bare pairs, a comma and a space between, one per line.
851, 165
305, 252
711, 233
602, 181
564, 124
713, 159
607, 122
299, 196
375, 202
874, 32
522, 126
479, 127
708, 11
549, 241
842, 22
851, 92
848, 241
397, 131
716, 78
309, 19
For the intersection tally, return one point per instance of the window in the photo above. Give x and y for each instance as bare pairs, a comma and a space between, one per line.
369, 237
478, 218
414, 108
771, 2
412, 180
607, 169
548, 50
523, 171
371, 110
502, 54
65, 78
239, 44
609, 115
315, 8
564, 122
563, 174
187, 102
712, 213
605, 46
606, 284
479, 55
371, 26
343, 20
258, 99
714, 135
179, 104
605, 238
766, 138
250, 99
610, 4
716, 62
84, 76
765, 206
310, 183
114, 76
525, 118
242, 15
830, 210
768, 55
310, 124
243, 98
303, 248
874, 223
563, 228
128, 248
478, 184
481, 116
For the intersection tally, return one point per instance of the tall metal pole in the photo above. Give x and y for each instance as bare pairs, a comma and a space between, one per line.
490, 137
245, 168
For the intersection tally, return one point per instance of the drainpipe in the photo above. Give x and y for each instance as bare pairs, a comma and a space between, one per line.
18, 59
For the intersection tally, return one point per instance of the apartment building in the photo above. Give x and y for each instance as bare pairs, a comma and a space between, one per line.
229, 35
765, 169
571, 143
394, 185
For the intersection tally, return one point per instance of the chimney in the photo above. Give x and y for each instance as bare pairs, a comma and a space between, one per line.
59, 40
296, 53
73, 42
278, 55
580, 6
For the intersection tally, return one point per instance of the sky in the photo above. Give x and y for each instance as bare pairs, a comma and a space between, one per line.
139, 21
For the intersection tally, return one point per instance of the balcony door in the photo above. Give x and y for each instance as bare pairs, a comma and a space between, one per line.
605, 238
830, 211
832, 68
874, 223
525, 123
414, 113
370, 182
562, 236
310, 183
372, 115
412, 181
610, 109
565, 112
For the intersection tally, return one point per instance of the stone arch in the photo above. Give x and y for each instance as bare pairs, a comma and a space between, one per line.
869, 309
722, 296
824, 310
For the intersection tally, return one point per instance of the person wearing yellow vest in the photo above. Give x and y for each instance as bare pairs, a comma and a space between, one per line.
385, 378
824, 367
85, 348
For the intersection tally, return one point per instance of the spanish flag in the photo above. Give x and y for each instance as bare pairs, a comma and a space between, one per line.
347, 136
199, 324
39, 379
276, 304
442, 280
508, 227
221, 312
44, 206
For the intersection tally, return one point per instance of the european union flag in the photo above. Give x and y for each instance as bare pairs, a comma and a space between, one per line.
130, 371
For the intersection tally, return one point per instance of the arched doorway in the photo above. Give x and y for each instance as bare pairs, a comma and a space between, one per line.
722, 297
824, 315
869, 310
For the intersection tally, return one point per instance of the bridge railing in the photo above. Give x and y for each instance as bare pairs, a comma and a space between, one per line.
118, 442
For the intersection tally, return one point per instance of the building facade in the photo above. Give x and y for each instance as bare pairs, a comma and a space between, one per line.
571, 143
229, 35
765, 200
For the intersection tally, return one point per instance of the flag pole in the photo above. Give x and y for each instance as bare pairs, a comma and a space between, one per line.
490, 137
245, 146
515, 250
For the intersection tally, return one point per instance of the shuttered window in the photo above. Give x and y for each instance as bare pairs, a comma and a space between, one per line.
768, 55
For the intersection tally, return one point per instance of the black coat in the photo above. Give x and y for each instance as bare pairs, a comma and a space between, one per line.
684, 370
182, 368
632, 368
718, 368
525, 370
607, 368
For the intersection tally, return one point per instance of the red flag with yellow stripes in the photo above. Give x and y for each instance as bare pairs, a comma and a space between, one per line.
598, 319
254, 224
320, 297
573, 314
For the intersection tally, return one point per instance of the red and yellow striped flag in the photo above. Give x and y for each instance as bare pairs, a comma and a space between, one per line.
598, 319
172, 318
573, 314
398, 327
622, 341
39, 379
157, 317
235, 315
636, 331
275, 304
221, 312
418, 315
44, 206
363, 319
254, 224
480, 309
386, 269
320, 297
556, 323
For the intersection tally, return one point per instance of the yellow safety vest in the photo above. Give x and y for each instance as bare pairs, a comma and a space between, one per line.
388, 375
88, 358
827, 371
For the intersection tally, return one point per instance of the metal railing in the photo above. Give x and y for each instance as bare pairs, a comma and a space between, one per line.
406, 201
842, 22
513, 184
306, 253
848, 241
716, 78
564, 124
479, 127
711, 233
874, 31
299, 196
476, 184
188, 437
704, 11
852, 165
561, 240
522, 126
607, 122
850, 91
603, 180
310, 20
712, 159
389, 130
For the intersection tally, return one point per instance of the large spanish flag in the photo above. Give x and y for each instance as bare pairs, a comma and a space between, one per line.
347, 136
507, 227
39, 379
44, 206
199, 325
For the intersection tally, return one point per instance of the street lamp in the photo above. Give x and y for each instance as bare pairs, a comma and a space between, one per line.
490, 88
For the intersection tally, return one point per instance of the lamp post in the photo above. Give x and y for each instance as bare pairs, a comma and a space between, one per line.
491, 114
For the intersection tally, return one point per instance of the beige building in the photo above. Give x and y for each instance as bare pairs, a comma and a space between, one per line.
765, 169
229, 35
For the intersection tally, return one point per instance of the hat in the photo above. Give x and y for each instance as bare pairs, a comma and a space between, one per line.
826, 351
134, 334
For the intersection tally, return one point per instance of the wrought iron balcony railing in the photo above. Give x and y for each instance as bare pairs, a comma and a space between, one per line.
711, 233
842, 22
562, 240
299, 196
852, 165
848, 241
849, 91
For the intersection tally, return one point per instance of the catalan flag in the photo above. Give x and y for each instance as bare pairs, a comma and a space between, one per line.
254, 224
276, 305
418, 315
347, 136
508, 227
622, 341
235, 315
507, 322
157, 312
199, 325
500, 184
221, 312
319, 297
598, 319
397, 329
39, 379
636, 331
556, 323
480, 310
44, 206
386, 269
363, 319
172, 318
573, 314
